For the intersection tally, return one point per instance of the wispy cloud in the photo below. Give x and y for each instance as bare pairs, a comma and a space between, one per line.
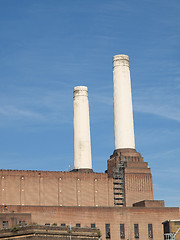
163, 154
35, 105
161, 101
118, 6
171, 172
13, 111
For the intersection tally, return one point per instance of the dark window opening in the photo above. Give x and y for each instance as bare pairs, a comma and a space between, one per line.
63, 224
108, 234
47, 224
122, 233
21, 223
78, 225
93, 225
150, 231
5, 207
5, 224
136, 230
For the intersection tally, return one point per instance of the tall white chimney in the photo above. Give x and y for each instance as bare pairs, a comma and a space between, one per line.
82, 140
123, 113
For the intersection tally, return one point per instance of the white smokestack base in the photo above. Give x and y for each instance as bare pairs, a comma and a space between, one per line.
123, 113
82, 140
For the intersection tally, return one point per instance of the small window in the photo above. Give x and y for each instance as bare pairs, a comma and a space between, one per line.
5, 224
93, 225
63, 224
150, 231
122, 233
108, 234
78, 225
47, 224
136, 230
21, 223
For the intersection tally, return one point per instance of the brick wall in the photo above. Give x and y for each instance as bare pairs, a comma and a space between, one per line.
137, 175
13, 219
49, 233
102, 215
55, 188
138, 187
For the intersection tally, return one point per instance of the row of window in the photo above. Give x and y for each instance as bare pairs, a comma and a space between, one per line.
22, 223
93, 225
5, 224
122, 231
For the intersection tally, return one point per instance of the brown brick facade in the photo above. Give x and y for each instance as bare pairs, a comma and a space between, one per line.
123, 195
11, 218
37, 232
104, 215
137, 175
55, 188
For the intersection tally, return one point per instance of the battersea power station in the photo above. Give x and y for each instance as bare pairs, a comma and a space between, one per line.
118, 202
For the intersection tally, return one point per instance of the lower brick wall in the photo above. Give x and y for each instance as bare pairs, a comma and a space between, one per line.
105, 215
37, 232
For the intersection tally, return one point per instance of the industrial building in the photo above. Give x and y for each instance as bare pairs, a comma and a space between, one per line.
119, 201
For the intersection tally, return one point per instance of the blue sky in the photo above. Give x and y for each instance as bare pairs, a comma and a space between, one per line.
48, 47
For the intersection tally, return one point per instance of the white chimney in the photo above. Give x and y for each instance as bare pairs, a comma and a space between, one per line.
82, 140
123, 113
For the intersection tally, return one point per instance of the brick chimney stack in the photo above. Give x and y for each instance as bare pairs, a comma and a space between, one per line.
82, 141
123, 113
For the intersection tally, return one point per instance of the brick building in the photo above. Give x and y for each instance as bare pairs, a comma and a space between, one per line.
119, 202
36, 232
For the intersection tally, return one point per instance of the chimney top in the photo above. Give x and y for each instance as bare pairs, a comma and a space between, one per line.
120, 60
80, 91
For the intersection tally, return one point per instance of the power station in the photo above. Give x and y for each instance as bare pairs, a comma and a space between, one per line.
119, 202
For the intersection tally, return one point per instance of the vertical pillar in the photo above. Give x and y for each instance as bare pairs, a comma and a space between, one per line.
123, 113
82, 141
22, 188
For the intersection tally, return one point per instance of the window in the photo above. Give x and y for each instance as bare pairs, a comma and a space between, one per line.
5, 224
122, 233
21, 223
108, 234
63, 224
5, 207
93, 225
78, 225
47, 224
150, 231
136, 230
